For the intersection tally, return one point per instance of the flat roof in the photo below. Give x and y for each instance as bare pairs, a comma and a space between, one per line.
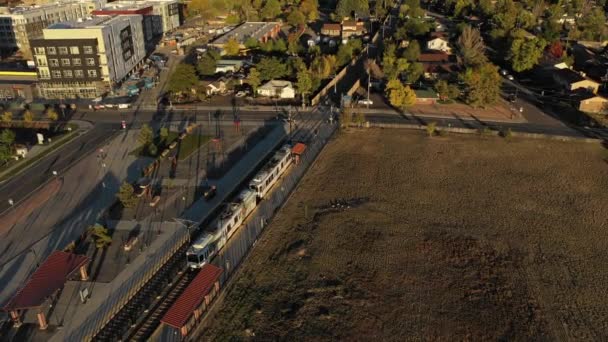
192, 297
249, 29
48, 278
91, 22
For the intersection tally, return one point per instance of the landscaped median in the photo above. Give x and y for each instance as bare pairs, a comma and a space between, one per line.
12, 168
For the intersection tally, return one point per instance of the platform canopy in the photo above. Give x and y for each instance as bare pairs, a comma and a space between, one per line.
46, 280
192, 297
298, 149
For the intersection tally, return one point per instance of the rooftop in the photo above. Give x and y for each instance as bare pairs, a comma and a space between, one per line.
26, 9
255, 30
434, 57
569, 76
276, 84
89, 22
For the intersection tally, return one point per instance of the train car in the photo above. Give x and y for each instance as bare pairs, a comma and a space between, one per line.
247, 198
270, 173
202, 250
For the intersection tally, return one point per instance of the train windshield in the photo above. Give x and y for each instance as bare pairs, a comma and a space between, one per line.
193, 258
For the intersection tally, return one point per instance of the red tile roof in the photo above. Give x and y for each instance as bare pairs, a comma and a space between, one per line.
332, 27
299, 149
434, 57
193, 296
48, 278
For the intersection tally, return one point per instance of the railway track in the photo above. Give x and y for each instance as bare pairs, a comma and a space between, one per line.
141, 316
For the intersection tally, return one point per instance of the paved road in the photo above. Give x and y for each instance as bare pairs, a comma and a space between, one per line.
19, 186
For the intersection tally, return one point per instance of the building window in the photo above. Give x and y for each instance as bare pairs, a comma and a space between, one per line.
56, 74
44, 73
65, 62
39, 50
88, 50
78, 73
41, 61
92, 73
54, 62
63, 50
51, 50
76, 61
90, 61
67, 73
74, 50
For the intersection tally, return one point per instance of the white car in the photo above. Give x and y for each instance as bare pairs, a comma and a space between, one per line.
366, 102
510, 77
504, 72
241, 94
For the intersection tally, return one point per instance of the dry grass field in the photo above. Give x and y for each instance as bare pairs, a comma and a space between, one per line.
452, 238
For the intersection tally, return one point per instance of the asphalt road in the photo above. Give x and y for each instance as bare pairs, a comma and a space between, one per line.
19, 186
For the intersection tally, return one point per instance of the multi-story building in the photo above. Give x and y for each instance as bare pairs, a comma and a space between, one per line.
18, 25
87, 59
158, 16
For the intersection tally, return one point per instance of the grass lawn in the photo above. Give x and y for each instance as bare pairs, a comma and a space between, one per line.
191, 143
160, 144
456, 238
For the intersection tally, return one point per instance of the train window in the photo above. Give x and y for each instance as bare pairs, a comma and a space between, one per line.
229, 227
192, 258
235, 218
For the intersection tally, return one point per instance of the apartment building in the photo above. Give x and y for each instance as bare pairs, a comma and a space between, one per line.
88, 58
18, 25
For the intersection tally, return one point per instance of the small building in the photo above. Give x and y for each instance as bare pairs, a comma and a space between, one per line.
572, 80
18, 85
228, 65
435, 57
436, 71
439, 44
260, 31
278, 88
21, 151
426, 97
352, 28
215, 87
591, 103
331, 30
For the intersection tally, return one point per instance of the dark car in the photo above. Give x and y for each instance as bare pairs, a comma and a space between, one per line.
209, 191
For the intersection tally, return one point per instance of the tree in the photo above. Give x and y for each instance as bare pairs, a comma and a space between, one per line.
100, 236
431, 127
145, 135
446, 91
593, 25
183, 79
412, 52
346, 7
391, 65
400, 96
7, 117
296, 18
271, 9
126, 195
279, 45
471, 47
253, 79
293, 45
7, 137
271, 68
483, 85
51, 114
505, 18
525, 53
232, 47
206, 66
164, 134
251, 43
414, 72
310, 8
28, 116
304, 84
152, 149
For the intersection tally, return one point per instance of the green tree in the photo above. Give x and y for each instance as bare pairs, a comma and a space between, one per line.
446, 91
293, 45
253, 79
100, 236
414, 72
345, 7
206, 65
183, 79
7, 137
126, 195
391, 65
525, 53
7, 117
400, 96
412, 52
471, 47
482, 85
296, 18
304, 84
51, 114
145, 135
279, 45
164, 134
431, 127
593, 25
232, 47
152, 149
28, 117
271, 9
310, 8
252, 43
505, 18
271, 68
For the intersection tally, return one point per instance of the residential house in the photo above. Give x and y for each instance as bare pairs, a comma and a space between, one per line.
572, 80
352, 28
439, 44
228, 65
277, 88
426, 96
214, 87
591, 103
439, 65
331, 30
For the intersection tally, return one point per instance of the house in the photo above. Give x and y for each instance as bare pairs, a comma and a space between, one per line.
352, 28
277, 88
214, 87
591, 103
435, 57
228, 65
331, 30
439, 44
436, 71
572, 80
426, 96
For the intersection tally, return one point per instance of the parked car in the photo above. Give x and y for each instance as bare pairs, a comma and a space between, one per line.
367, 102
241, 94
209, 191
510, 77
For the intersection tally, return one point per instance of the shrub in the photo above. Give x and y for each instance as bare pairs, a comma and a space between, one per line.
431, 127
152, 150
507, 133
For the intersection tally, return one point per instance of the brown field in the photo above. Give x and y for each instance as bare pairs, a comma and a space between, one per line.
456, 238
